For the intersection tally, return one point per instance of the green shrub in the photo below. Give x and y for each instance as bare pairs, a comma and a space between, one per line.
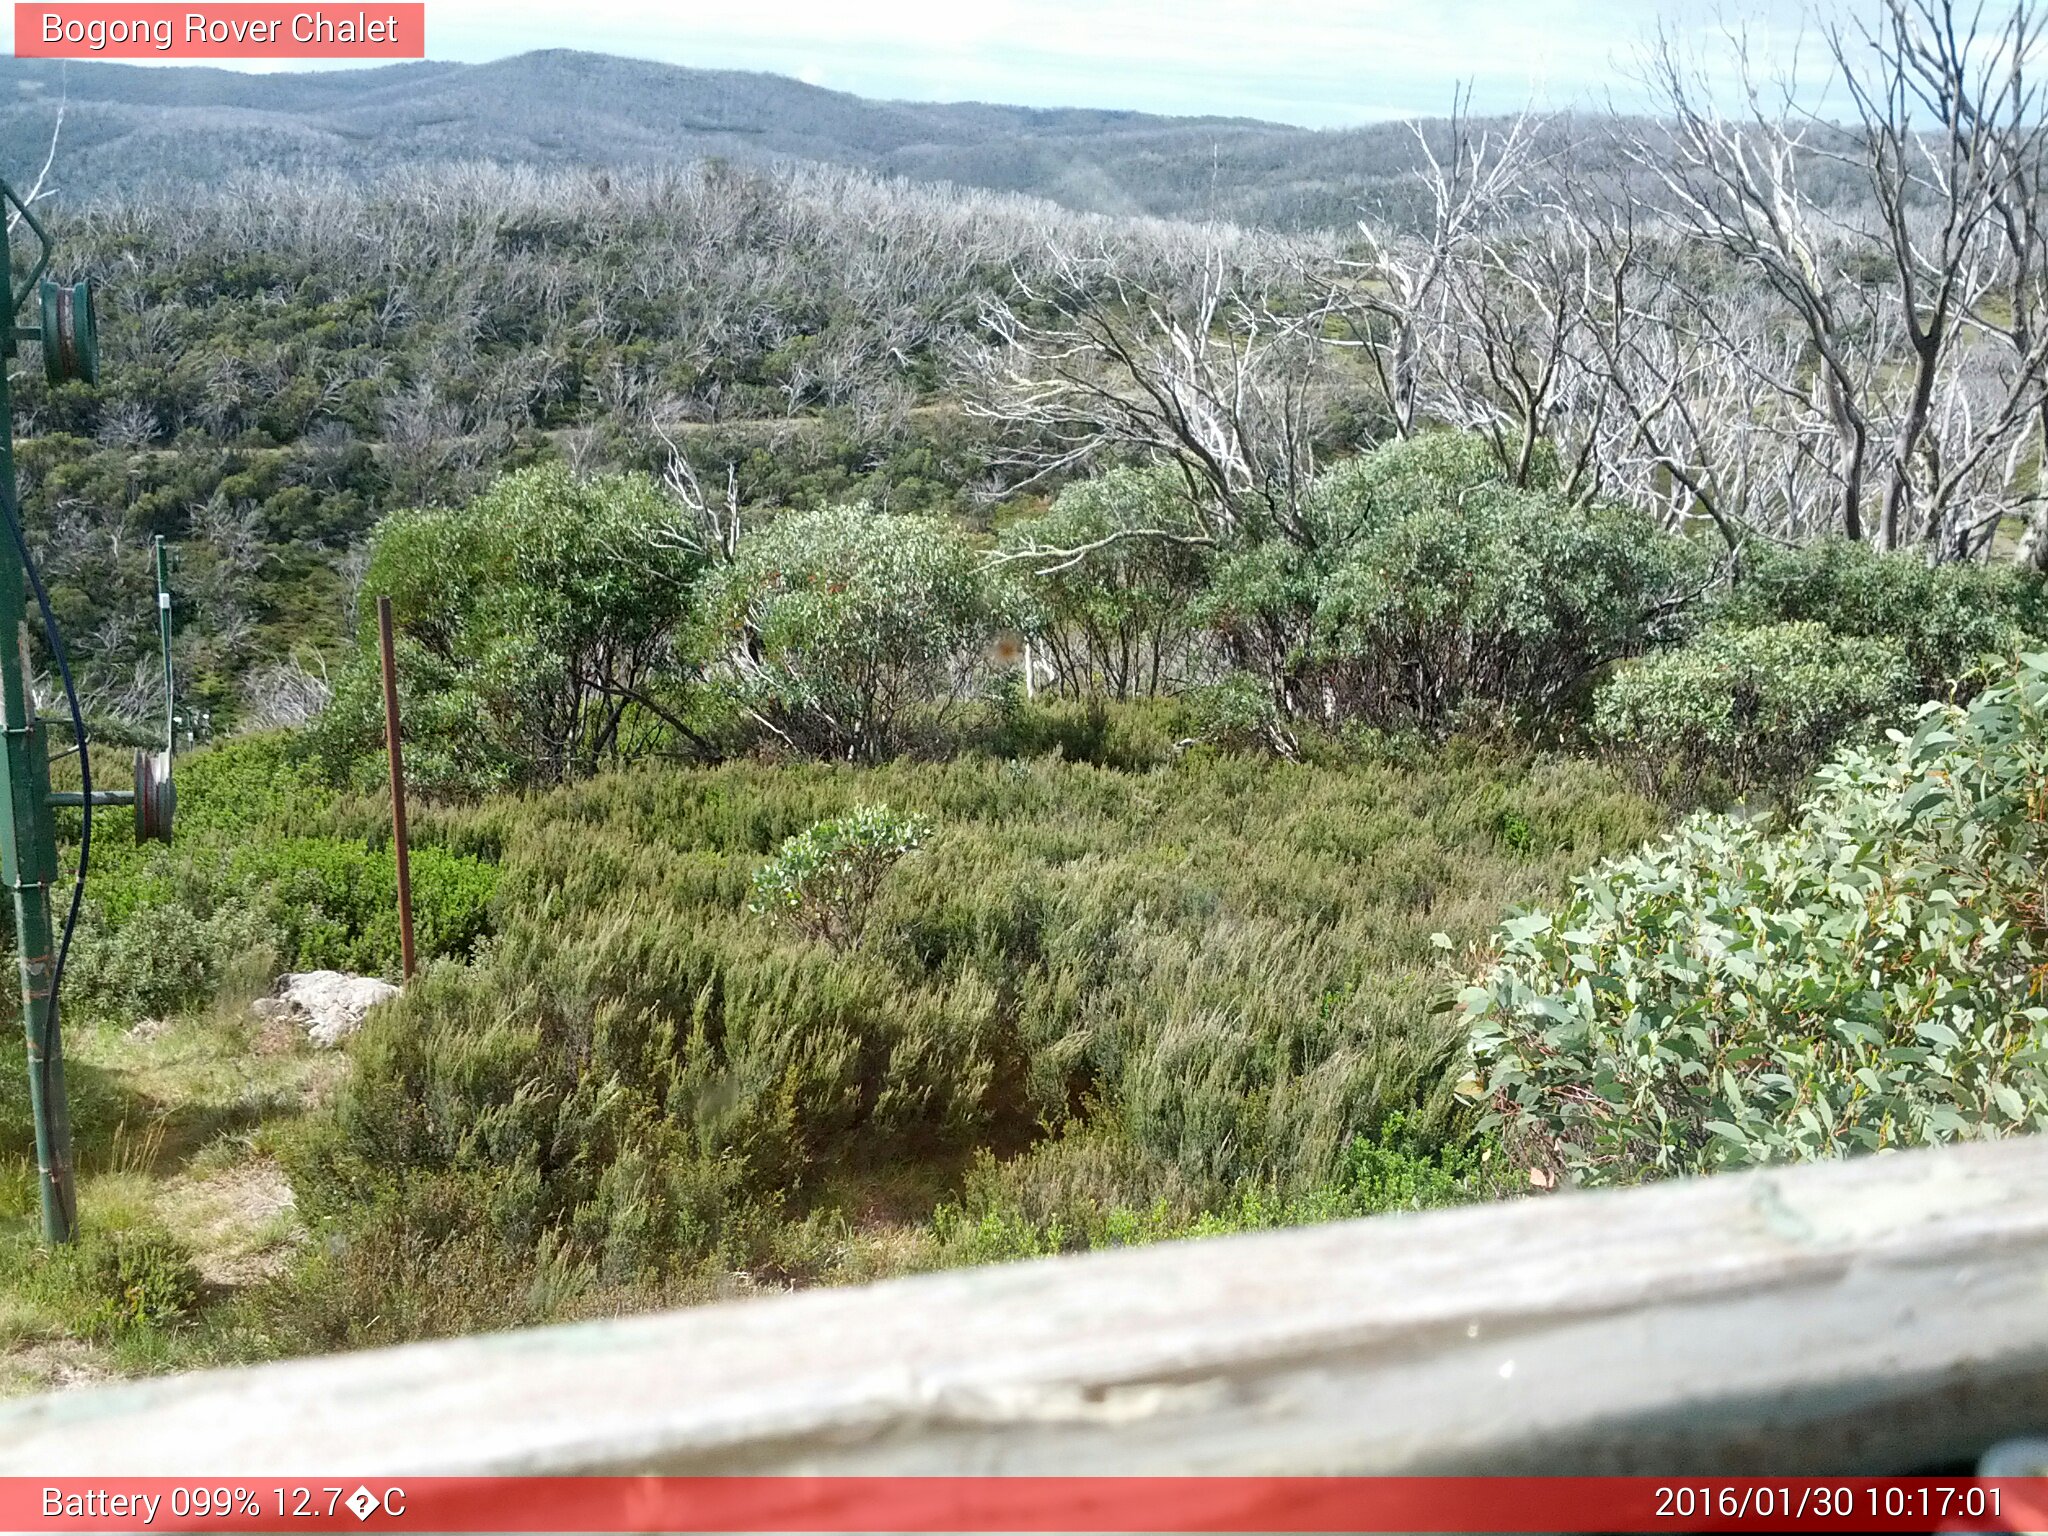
403, 1270
1392, 1170
1133, 739
1515, 833
1037, 1205
1117, 620
328, 904
1947, 617
824, 880
1750, 706
535, 631
1437, 591
258, 876
1220, 965
159, 958
1867, 979
1236, 713
109, 1284
237, 786
832, 627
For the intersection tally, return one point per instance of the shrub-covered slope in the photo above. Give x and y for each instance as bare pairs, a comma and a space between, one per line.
1168, 991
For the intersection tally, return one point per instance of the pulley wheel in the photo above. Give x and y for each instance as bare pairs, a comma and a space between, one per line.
71, 340
155, 797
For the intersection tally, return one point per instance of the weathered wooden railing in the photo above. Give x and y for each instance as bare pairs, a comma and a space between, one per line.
1889, 1314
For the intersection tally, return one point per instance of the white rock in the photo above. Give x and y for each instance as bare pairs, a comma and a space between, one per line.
330, 1004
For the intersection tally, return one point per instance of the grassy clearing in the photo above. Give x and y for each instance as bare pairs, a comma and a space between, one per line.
175, 1127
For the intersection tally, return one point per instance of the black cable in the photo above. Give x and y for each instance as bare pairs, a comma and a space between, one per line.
10, 508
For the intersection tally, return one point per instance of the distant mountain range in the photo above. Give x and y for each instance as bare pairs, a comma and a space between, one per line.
130, 130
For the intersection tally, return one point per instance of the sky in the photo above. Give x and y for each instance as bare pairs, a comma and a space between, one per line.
1320, 63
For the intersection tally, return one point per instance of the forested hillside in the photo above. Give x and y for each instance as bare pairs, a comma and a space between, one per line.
129, 130
285, 364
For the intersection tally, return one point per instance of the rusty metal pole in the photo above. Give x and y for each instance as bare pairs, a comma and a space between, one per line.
398, 835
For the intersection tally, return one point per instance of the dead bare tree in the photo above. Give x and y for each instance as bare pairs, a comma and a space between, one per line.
1395, 302
1512, 359
1204, 375
1734, 187
287, 693
714, 526
38, 189
1915, 301
1948, 117
1686, 410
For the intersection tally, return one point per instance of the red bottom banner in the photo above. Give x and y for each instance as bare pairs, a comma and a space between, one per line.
1023, 1504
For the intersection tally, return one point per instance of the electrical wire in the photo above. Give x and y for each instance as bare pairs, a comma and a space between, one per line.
10, 508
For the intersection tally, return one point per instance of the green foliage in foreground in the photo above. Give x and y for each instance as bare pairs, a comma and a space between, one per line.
116, 1283
1869, 978
1753, 706
1049, 1203
1217, 968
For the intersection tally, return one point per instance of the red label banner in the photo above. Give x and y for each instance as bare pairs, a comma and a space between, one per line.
220, 31
1023, 1504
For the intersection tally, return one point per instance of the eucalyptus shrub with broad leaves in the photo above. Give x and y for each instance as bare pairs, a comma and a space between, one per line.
1949, 617
1434, 590
1117, 619
535, 633
1868, 979
1755, 706
831, 627
824, 879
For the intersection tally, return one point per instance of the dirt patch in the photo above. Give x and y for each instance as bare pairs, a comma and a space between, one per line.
50, 1365
239, 1222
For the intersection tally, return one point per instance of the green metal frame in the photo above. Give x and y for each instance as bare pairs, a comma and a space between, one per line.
28, 834
28, 831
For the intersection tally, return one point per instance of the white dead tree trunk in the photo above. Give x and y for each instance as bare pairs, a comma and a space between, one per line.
1395, 303
1093, 362
1513, 358
1948, 120
1916, 299
1736, 191
714, 526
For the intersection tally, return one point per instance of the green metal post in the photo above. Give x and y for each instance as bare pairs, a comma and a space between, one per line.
28, 849
163, 621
